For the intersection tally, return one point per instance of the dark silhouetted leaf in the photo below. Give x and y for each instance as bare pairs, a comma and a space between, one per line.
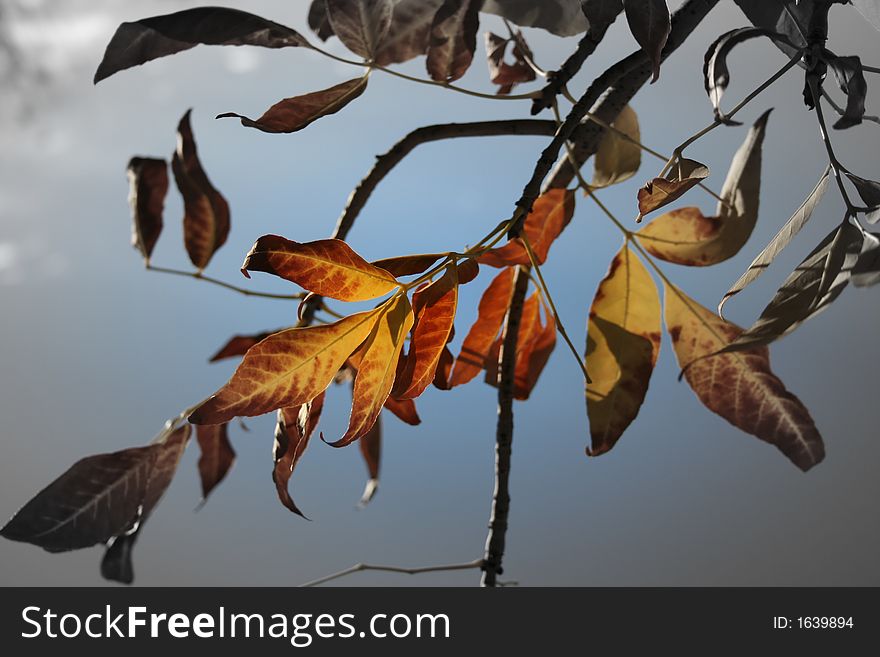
851, 78
791, 228
561, 17
453, 39
149, 187
206, 213
810, 289
623, 342
791, 19
294, 114
506, 75
293, 430
869, 191
684, 176
150, 38
649, 23
318, 20
238, 345
410, 30
361, 25
740, 387
866, 272
217, 455
330, 268
117, 564
371, 450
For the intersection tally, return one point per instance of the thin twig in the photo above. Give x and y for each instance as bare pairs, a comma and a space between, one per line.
837, 108
814, 85
228, 286
361, 567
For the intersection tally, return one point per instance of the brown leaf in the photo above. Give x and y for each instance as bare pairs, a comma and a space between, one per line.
217, 455
649, 23
206, 212
506, 75
149, 186
687, 237
377, 367
453, 39
293, 430
410, 30
685, 175
550, 215
444, 370
238, 345
475, 349
318, 20
371, 450
623, 342
404, 410
740, 387
468, 270
434, 307
408, 265
294, 114
330, 268
361, 25
150, 38
287, 369
99, 497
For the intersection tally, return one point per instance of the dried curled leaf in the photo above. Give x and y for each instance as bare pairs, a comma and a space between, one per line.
618, 158
330, 268
238, 345
100, 497
294, 114
217, 455
739, 387
791, 228
851, 78
206, 213
649, 22
371, 450
378, 367
150, 38
505, 75
808, 290
148, 179
869, 191
685, 175
293, 430
434, 308
453, 39
551, 213
687, 237
478, 342
361, 25
623, 342
287, 369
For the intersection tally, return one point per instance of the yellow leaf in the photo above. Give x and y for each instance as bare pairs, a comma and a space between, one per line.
618, 159
623, 341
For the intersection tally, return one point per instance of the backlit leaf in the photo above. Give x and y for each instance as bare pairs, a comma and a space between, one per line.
434, 308
687, 237
649, 23
408, 265
791, 228
378, 367
371, 450
502, 73
217, 455
404, 410
148, 179
623, 342
293, 430
330, 268
453, 39
294, 114
740, 387
361, 25
238, 346
808, 290
618, 159
206, 212
550, 214
150, 38
492, 310
444, 370
287, 369
685, 175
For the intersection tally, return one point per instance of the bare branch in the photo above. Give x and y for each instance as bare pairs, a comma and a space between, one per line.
470, 565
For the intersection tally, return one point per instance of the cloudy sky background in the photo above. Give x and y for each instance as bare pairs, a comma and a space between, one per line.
98, 353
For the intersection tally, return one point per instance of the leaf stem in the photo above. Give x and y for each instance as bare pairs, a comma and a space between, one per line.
199, 276
813, 83
361, 567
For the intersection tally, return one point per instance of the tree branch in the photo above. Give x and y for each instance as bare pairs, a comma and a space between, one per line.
470, 565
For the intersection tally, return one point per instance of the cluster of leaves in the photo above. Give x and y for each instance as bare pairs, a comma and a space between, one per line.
395, 351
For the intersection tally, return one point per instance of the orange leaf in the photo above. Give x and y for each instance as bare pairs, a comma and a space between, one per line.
326, 267
740, 387
377, 367
434, 308
293, 430
217, 455
623, 342
444, 370
206, 212
287, 369
294, 114
404, 410
475, 349
149, 187
542, 347
408, 265
658, 192
550, 215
